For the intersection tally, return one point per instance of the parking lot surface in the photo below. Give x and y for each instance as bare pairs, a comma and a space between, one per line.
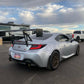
70, 71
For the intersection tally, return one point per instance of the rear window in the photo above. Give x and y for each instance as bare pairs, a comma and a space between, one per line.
45, 36
77, 32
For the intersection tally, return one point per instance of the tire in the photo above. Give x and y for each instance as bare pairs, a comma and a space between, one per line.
77, 51
54, 61
77, 38
28, 65
10, 59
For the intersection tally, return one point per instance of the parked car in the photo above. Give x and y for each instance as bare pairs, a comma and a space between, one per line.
78, 35
45, 51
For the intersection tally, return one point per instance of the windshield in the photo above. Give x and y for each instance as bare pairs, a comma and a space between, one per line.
77, 32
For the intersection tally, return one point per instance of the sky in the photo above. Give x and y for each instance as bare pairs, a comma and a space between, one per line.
54, 15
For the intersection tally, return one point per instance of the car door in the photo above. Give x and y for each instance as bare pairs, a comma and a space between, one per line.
70, 47
65, 45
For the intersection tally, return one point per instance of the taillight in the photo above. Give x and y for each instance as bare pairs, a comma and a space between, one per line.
11, 45
72, 35
36, 46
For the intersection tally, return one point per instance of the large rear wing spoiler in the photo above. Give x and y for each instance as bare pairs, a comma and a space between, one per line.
26, 36
19, 30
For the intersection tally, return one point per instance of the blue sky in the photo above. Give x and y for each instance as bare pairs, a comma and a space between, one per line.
54, 15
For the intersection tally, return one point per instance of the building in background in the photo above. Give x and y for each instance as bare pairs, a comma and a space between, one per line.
12, 26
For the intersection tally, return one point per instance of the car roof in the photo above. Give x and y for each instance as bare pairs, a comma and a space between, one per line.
43, 40
45, 36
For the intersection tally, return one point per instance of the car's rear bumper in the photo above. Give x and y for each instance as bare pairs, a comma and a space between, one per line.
26, 57
25, 61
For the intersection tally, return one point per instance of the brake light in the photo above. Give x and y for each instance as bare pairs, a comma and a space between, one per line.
36, 46
11, 45
72, 35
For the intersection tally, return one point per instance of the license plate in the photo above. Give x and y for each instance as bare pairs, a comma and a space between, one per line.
17, 56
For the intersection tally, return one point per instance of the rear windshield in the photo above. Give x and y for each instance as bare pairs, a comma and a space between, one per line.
77, 32
44, 37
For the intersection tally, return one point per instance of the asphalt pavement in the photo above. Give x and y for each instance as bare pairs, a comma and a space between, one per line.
70, 71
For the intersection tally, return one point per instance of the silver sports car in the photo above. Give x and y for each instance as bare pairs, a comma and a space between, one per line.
45, 51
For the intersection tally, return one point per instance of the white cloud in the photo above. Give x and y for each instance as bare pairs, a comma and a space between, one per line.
53, 6
6, 19
49, 10
48, 14
44, 12
64, 16
77, 1
26, 3
63, 28
35, 3
63, 10
56, 25
2, 18
66, 10
54, 30
12, 19
27, 17
4, 13
68, 26
41, 8
66, 30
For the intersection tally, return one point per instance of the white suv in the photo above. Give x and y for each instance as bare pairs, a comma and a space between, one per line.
78, 35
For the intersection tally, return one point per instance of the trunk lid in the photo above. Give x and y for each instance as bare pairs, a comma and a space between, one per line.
20, 45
